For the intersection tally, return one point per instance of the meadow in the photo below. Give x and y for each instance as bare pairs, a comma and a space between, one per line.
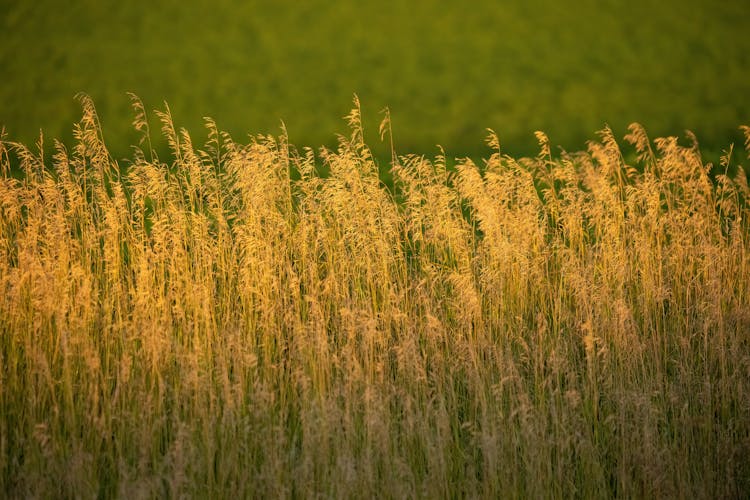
253, 319
446, 71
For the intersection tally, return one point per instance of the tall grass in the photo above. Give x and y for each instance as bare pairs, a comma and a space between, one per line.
230, 322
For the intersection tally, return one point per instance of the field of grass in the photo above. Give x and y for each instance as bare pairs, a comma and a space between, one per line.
446, 71
233, 323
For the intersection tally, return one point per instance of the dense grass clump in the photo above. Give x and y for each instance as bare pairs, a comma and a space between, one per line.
234, 323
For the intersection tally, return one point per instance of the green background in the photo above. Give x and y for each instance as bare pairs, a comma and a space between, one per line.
446, 70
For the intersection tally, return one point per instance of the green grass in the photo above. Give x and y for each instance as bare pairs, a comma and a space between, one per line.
447, 71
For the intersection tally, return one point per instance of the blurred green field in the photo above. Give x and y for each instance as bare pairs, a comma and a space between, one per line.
446, 70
